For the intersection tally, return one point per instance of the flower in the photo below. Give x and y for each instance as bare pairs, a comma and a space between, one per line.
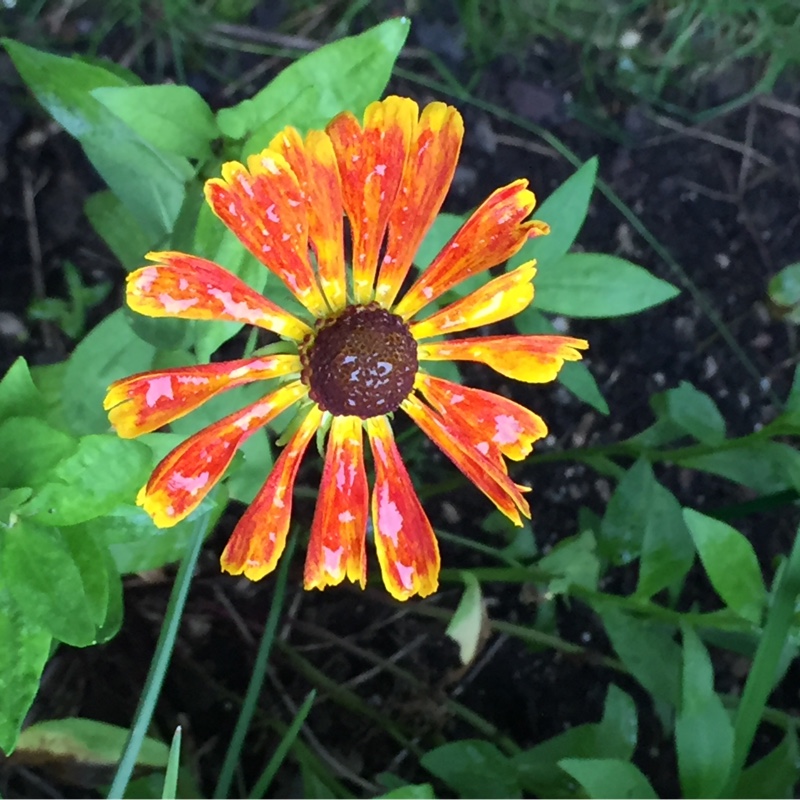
360, 354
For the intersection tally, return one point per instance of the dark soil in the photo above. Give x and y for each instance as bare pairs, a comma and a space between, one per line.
723, 198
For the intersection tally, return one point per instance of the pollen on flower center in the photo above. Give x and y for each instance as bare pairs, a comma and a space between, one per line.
361, 363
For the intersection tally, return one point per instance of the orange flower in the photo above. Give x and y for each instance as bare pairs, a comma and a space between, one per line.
360, 353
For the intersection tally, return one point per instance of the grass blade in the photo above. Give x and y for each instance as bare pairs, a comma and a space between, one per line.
170, 791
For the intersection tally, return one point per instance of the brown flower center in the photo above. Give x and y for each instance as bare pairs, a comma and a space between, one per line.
361, 363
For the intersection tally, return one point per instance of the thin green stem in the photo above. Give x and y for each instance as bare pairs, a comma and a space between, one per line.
256, 678
158, 667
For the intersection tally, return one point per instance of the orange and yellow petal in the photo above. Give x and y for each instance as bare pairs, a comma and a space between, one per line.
189, 287
337, 547
188, 473
314, 164
404, 539
426, 179
264, 206
492, 420
371, 160
499, 299
531, 359
149, 400
494, 232
259, 538
479, 465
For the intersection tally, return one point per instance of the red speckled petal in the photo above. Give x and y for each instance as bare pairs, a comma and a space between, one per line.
407, 549
266, 209
314, 164
427, 176
144, 402
371, 161
494, 232
188, 473
457, 443
499, 299
260, 535
493, 421
532, 359
336, 549
189, 287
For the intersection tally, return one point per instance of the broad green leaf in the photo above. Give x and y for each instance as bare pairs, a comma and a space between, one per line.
29, 449
648, 651
11, 500
49, 380
694, 412
103, 472
703, 730
76, 745
411, 791
345, 75
24, 650
643, 519
565, 211
776, 774
39, 571
608, 777
18, 394
109, 352
137, 545
613, 737
90, 559
766, 467
118, 228
574, 375
575, 560
473, 768
466, 627
594, 285
148, 182
784, 291
109, 626
730, 563
172, 118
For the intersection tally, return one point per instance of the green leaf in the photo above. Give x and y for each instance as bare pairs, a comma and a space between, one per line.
78, 745
575, 560
593, 285
784, 290
776, 774
29, 449
608, 777
18, 394
345, 75
148, 182
137, 545
466, 626
411, 791
694, 412
703, 730
473, 768
767, 467
103, 472
730, 563
118, 228
11, 500
109, 352
109, 626
46, 583
173, 766
172, 118
574, 375
648, 651
24, 650
565, 211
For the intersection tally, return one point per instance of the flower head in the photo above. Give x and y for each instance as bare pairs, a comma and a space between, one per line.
359, 353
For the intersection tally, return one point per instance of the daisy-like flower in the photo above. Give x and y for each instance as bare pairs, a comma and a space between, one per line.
359, 354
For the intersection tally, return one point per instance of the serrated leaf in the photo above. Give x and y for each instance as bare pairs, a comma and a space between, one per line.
703, 730
170, 117
730, 563
608, 778
565, 211
345, 75
594, 285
